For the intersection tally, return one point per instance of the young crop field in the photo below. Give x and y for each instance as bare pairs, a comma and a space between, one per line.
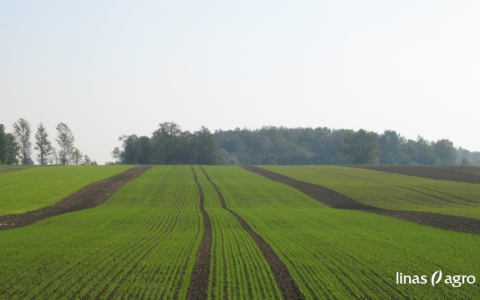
140, 244
182, 232
391, 191
347, 254
38, 187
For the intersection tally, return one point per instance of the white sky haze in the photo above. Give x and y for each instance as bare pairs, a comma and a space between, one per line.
108, 68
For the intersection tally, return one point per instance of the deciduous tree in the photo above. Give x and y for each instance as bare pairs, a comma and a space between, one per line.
42, 144
360, 147
21, 132
4, 153
66, 142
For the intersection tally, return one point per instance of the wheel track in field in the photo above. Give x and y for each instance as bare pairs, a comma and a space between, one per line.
87, 197
336, 200
198, 287
285, 281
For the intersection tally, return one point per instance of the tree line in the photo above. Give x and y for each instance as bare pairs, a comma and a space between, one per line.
324, 146
286, 146
16, 147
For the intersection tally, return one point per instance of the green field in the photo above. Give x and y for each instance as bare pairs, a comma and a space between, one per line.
142, 244
34, 188
328, 249
391, 191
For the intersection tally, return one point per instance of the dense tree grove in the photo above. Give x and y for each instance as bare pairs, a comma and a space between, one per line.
324, 146
169, 145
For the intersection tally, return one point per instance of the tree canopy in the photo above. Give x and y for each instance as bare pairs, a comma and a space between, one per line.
169, 145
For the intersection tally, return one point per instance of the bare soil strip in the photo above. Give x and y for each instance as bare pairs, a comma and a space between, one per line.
285, 281
12, 170
336, 200
457, 173
88, 197
198, 287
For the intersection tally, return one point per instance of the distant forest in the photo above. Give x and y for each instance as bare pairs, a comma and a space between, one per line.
286, 146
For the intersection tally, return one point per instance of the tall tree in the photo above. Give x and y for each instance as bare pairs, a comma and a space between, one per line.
426, 153
53, 157
42, 144
446, 152
76, 158
392, 146
21, 132
131, 150
4, 153
167, 141
66, 142
13, 150
361, 147
206, 146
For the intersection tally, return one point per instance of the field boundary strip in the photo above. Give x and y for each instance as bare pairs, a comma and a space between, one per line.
285, 281
336, 200
87, 197
9, 170
198, 287
450, 173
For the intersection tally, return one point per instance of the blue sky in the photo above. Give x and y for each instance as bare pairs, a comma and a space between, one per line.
108, 68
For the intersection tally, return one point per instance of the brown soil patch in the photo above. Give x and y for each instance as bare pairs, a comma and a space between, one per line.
457, 173
198, 287
12, 170
336, 200
88, 197
285, 281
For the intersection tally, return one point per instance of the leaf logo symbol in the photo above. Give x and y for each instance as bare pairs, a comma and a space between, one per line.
439, 277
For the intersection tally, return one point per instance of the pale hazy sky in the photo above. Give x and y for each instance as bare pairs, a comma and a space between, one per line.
108, 68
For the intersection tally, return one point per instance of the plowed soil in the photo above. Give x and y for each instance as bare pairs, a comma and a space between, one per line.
11, 170
88, 197
198, 287
336, 200
460, 174
282, 276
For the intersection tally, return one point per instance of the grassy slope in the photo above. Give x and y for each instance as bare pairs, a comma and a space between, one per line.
346, 254
391, 191
35, 188
140, 244
238, 269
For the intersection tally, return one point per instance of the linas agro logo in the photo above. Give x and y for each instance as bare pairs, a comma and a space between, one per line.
454, 280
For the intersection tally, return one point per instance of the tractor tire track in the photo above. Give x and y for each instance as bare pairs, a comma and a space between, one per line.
339, 201
87, 197
198, 287
285, 281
